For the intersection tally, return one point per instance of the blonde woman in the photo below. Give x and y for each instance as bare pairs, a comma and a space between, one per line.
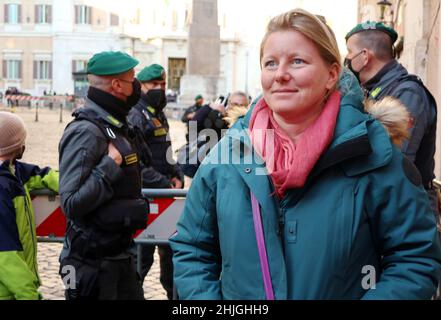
315, 202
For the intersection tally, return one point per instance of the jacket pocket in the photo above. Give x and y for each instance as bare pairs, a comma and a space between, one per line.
344, 219
85, 280
122, 214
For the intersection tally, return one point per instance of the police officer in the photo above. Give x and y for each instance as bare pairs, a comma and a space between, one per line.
101, 186
149, 117
191, 112
371, 58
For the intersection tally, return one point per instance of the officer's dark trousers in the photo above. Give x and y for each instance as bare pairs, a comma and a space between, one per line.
165, 264
116, 280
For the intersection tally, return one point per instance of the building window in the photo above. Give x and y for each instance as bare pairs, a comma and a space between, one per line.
83, 15
79, 65
43, 13
12, 13
42, 70
114, 19
12, 69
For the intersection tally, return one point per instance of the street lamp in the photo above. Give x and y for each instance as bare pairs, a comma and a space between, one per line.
384, 4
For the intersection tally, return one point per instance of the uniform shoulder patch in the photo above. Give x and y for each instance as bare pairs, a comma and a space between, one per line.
376, 92
411, 172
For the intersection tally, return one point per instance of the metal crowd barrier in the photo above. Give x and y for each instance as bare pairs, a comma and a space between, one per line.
151, 194
46, 207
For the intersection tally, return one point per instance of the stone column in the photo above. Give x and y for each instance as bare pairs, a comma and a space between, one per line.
203, 59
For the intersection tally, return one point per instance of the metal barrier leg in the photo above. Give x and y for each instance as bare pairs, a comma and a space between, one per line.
139, 258
175, 292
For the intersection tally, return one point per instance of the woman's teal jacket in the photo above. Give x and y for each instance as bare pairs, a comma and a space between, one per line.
361, 227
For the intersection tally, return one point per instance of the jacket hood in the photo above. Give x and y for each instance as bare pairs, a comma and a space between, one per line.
394, 117
234, 113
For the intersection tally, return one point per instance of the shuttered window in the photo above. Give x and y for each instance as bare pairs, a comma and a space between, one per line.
12, 69
114, 19
42, 70
12, 13
43, 13
83, 15
79, 65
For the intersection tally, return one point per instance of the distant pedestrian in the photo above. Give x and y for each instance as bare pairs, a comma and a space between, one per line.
191, 111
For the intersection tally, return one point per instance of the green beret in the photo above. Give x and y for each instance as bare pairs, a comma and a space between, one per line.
110, 62
150, 73
197, 97
372, 25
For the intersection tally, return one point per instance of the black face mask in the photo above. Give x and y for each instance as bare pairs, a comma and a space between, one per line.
348, 64
20, 153
133, 99
157, 98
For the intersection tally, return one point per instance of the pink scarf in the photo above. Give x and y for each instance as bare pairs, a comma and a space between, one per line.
289, 164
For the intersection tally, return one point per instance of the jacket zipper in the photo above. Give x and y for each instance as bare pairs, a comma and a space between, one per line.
280, 217
28, 215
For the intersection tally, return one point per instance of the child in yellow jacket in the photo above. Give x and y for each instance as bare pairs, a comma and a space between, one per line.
18, 242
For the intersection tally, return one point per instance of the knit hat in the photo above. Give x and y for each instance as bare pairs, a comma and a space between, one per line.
12, 133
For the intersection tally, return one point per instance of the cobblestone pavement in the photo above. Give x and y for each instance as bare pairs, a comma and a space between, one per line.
52, 287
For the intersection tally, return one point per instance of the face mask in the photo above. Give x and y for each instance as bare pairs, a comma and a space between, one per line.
20, 153
133, 99
348, 64
157, 98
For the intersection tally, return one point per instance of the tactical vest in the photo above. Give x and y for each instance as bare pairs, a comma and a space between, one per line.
108, 229
156, 134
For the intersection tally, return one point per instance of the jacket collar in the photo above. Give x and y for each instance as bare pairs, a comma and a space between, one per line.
9, 171
111, 104
144, 104
4, 166
103, 114
370, 84
390, 72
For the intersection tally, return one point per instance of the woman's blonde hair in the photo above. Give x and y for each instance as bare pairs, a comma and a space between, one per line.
311, 27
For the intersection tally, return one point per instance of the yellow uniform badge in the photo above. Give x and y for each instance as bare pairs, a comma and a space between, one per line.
131, 159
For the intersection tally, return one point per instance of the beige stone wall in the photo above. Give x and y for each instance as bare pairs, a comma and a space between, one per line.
367, 10
100, 20
29, 47
434, 73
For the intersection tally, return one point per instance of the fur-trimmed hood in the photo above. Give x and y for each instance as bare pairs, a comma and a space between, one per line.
394, 117
234, 113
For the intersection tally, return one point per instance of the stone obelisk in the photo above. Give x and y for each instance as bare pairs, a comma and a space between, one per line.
203, 58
